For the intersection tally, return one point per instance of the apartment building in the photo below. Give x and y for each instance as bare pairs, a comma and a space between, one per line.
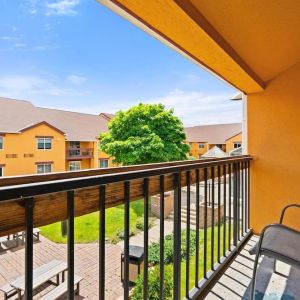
41, 140
203, 138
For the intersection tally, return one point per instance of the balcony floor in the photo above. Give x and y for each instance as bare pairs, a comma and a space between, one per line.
235, 282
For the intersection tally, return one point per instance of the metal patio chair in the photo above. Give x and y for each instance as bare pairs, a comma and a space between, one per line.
279, 242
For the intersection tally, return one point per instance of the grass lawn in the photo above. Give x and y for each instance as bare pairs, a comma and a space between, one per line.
201, 260
87, 226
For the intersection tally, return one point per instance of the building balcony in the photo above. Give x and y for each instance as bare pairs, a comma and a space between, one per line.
79, 153
210, 216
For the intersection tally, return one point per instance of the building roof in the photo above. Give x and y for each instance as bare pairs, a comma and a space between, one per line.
16, 115
214, 152
212, 134
106, 116
236, 152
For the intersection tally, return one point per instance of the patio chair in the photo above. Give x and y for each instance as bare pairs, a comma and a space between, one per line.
279, 242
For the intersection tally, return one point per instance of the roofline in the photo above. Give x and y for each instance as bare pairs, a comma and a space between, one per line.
222, 124
234, 135
42, 123
70, 111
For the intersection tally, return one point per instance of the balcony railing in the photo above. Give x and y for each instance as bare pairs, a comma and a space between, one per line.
23, 201
73, 153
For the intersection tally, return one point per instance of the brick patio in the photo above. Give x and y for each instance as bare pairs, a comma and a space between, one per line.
86, 266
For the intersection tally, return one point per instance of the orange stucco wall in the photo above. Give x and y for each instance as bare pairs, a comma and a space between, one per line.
273, 141
195, 151
25, 143
230, 142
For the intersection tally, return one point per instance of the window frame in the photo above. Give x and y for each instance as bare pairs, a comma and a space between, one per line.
1, 142
44, 143
73, 162
237, 143
44, 168
101, 160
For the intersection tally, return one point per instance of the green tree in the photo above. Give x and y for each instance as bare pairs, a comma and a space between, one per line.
146, 133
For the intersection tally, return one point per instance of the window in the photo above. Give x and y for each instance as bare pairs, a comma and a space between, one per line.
237, 145
201, 145
103, 163
75, 145
43, 168
1, 142
74, 165
1, 171
44, 143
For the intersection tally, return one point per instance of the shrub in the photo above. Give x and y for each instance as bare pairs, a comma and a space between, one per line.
153, 284
140, 223
168, 248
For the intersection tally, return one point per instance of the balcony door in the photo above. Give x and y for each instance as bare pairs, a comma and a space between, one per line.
74, 148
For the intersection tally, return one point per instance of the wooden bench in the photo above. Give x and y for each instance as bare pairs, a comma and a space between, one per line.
41, 275
8, 291
62, 289
22, 234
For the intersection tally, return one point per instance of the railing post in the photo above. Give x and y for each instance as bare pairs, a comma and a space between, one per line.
177, 235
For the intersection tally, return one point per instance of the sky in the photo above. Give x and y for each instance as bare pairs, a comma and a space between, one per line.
80, 56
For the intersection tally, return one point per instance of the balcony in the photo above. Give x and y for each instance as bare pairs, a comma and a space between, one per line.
79, 153
218, 268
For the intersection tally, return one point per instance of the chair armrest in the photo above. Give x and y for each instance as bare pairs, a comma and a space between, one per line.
284, 210
257, 247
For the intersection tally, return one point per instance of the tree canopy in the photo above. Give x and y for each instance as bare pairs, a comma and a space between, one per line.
146, 133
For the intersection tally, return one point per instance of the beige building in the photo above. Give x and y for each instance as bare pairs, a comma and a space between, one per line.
204, 137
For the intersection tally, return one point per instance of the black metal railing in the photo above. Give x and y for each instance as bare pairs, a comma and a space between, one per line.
79, 153
226, 217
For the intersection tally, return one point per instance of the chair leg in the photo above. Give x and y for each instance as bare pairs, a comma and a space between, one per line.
252, 297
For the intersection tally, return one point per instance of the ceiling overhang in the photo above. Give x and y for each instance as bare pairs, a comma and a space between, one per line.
181, 26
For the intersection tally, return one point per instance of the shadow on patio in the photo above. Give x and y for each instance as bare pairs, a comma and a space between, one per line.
235, 282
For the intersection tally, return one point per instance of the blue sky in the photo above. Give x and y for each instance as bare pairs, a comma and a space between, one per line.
78, 55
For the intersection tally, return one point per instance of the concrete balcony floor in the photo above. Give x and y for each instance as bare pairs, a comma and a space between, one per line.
234, 284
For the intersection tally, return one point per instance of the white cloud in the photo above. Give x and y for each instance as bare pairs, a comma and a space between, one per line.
30, 86
62, 7
192, 107
195, 108
75, 79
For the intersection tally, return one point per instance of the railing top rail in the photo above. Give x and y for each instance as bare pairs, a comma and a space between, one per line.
12, 192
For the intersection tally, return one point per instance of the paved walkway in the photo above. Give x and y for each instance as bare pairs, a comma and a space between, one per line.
86, 266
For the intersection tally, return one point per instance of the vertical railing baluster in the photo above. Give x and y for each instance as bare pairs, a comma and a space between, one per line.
248, 192
230, 205
235, 204
146, 238
246, 199
188, 226
242, 198
161, 237
177, 236
212, 244
126, 238
102, 242
239, 200
70, 208
224, 209
29, 248
219, 213
197, 227
205, 225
